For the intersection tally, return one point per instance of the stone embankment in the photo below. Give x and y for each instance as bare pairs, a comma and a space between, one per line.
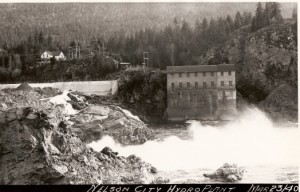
42, 144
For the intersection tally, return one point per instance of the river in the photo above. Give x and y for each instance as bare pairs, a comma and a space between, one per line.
269, 152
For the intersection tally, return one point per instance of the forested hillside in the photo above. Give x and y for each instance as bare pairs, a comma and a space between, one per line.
172, 33
66, 22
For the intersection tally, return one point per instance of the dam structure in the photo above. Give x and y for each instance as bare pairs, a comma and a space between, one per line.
201, 92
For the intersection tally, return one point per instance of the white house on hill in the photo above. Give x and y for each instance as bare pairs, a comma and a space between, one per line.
59, 55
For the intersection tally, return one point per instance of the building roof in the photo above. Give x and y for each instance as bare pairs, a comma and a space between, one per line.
49, 52
55, 53
200, 68
123, 63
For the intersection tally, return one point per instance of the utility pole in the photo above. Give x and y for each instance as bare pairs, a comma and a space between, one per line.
146, 58
72, 51
78, 51
9, 61
99, 50
75, 51
2, 59
103, 49
69, 52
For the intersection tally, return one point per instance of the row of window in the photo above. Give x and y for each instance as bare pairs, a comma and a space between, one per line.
204, 74
188, 84
224, 96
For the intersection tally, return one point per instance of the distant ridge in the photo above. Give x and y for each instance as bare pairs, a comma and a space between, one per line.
82, 21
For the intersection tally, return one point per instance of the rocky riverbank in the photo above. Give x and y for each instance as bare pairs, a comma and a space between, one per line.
42, 141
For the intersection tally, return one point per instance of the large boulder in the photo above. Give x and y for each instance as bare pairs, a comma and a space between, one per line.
98, 120
282, 103
228, 172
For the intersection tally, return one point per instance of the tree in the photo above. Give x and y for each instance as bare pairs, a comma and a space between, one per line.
49, 42
185, 29
197, 26
267, 13
221, 30
294, 15
52, 60
230, 23
175, 21
29, 40
238, 20
247, 18
36, 39
253, 24
41, 38
73, 44
276, 12
212, 31
204, 28
259, 16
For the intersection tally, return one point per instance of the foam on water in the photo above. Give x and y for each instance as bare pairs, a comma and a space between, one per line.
63, 100
250, 140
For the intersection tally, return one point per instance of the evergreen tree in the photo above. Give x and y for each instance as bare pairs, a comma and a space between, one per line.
247, 18
259, 16
29, 40
253, 24
36, 45
212, 31
175, 21
185, 29
267, 14
238, 20
230, 23
221, 30
204, 27
73, 44
276, 12
49, 42
294, 15
41, 38
197, 26
52, 60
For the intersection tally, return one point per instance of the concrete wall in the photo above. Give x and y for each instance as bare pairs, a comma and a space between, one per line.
87, 87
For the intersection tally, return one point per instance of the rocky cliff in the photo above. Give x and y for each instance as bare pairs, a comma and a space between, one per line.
39, 143
145, 94
264, 60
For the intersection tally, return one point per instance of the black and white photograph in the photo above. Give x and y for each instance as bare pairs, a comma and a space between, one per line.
112, 93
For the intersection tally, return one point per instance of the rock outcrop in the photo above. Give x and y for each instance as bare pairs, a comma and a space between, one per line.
145, 94
38, 147
282, 103
42, 143
228, 173
12, 98
24, 87
265, 59
89, 121
97, 120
